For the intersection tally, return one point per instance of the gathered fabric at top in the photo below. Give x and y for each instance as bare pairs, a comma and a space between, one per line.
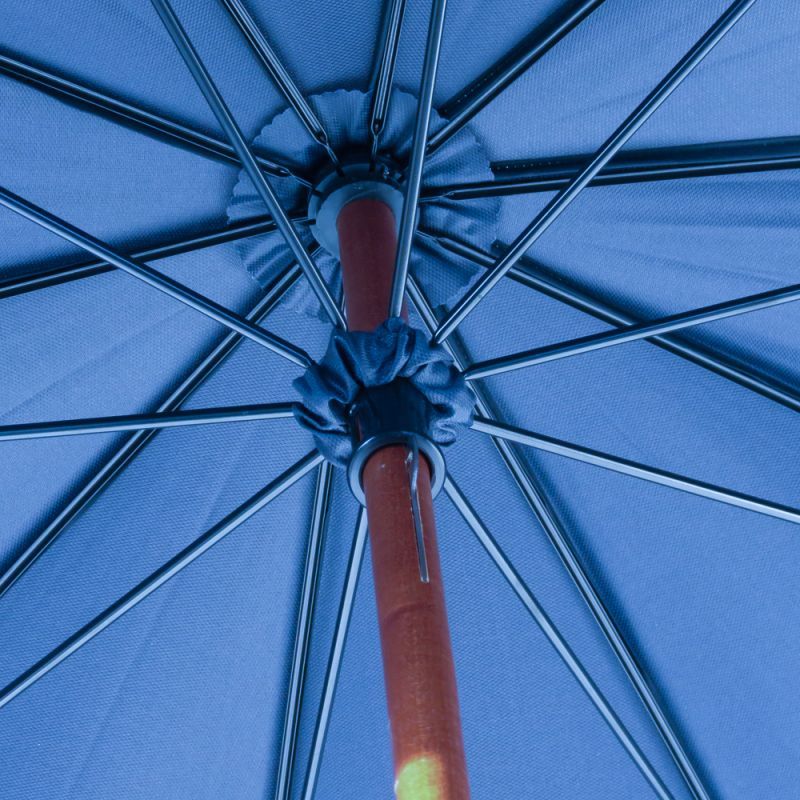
345, 113
357, 360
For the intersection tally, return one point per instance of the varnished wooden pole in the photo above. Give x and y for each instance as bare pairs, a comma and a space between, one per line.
415, 639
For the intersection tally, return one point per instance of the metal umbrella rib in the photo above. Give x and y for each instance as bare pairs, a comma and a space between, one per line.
527, 176
236, 137
408, 218
155, 279
159, 577
528, 273
279, 74
123, 456
555, 638
188, 244
305, 625
126, 113
464, 106
384, 73
632, 333
333, 669
617, 140
634, 469
560, 540
140, 422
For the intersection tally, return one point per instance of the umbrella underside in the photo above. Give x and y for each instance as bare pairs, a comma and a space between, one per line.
657, 478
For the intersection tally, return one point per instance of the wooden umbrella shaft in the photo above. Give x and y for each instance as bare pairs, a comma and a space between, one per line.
415, 640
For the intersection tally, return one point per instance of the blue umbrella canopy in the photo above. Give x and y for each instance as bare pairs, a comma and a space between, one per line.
192, 694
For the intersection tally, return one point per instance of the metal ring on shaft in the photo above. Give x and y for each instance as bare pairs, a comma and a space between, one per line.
367, 447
